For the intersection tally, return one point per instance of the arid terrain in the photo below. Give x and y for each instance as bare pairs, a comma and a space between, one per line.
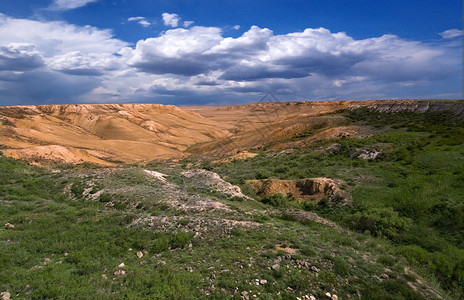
107, 134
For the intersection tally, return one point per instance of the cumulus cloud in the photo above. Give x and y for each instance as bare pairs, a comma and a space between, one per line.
171, 19
188, 23
163, 54
51, 38
84, 63
451, 33
78, 63
141, 20
69, 4
19, 57
259, 54
37, 58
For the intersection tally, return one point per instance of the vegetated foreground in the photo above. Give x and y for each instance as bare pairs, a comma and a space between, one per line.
358, 201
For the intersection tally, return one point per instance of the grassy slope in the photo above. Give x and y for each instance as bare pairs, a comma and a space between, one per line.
411, 195
64, 240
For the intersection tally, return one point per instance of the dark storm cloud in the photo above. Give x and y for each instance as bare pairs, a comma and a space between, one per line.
19, 57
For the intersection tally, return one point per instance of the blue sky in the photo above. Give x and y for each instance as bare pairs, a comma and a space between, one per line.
228, 51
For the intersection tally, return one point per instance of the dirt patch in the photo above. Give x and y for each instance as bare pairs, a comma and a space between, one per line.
56, 154
239, 155
310, 189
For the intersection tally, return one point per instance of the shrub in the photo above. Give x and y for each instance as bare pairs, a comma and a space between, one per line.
380, 222
277, 200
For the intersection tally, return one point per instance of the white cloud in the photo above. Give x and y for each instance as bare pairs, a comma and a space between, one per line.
69, 4
188, 23
144, 23
77, 63
236, 27
51, 38
141, 20
171, 19
55, 61
451, 33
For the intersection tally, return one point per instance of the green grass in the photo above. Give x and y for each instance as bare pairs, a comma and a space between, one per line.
75, 225
67, 246
411, 194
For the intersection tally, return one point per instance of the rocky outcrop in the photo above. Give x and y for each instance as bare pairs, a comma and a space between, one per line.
453, 107
313, 189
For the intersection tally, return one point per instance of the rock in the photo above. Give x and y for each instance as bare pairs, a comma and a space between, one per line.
189, 269
384, 276
314, 269
311, 297
275, 267
263, 281
120, 273
47, 260
161, 263
104, 276
328, 295
5, 296
66, 254
9, 226
139, 254
121, 265
334, 297
245, 295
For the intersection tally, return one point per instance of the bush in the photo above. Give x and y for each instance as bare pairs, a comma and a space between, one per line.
380, 222
414, 254
277, 200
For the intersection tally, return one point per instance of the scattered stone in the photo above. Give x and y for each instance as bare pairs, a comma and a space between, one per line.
47, 260
59, 262
5, 296
104, 276
189, 269
314, 269
120, 273
9, 226
121, 265
275, 267
368, 154
263, 281
161, 263
334, 297
139, 254
66, 254
142, 263
311, 297
328, 295
245, 295
384, 276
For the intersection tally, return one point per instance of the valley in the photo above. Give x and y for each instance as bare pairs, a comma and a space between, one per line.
277, 200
